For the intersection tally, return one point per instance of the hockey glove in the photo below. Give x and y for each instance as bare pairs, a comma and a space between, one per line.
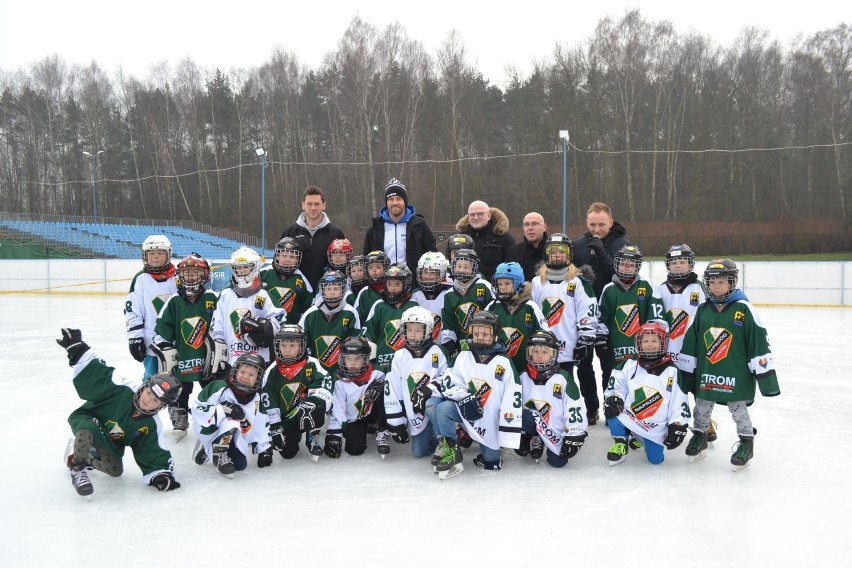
233, 410
601, 342
137, 348
165, 482
452, 348
311, 415
374, 391
584, 348
571, 445
596, 246
167, 357
677, 432
333, 446
470, 408
257, 332
419, 397
276, 432
400, 436
73, 344
264, 458
216, 360
613, 405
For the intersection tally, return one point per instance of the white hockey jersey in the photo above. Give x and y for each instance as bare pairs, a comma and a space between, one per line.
680, 308
406, 374
348, 404
560, 408
210, 421
499, 390
570, 309
651, 402
230, 310
146, 298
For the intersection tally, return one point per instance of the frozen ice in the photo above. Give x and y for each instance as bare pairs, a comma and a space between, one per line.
787, 508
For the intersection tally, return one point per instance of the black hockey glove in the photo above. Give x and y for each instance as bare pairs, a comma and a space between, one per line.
264, 458
571, 445
400, 436
73, 344
419, 397
613, 405
333, 446
584, 348
233, 410
374, 391
677, 432
596, 246
257, 332
137, 348
165, 482
452, 348
601, 342
470, 408
311, 415
276, 432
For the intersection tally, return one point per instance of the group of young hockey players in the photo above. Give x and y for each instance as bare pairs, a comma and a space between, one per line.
439, 360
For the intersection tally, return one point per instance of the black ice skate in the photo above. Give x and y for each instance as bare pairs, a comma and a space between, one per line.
697, 447
743, 453
383, 442
536, 448
439, 453
199, 456
80, 479
451, 462
180, 422
617, 453
221, 459
480, 462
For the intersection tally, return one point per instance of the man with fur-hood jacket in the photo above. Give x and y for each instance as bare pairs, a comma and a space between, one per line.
567, 300
489, 229
519, 316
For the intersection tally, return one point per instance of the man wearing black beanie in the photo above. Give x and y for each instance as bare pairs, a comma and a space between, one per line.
398, 231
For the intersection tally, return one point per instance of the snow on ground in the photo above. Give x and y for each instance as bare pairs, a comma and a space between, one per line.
786, 509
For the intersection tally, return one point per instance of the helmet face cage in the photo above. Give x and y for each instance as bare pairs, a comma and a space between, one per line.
193, 274
333, 288
397, 273
354, 357
680, 252
290, 334
513, 272
287, 248
479, 320
558, 244
339, 254
245, 267
627, 262
242, 384
435, 265
542, 342
356, 270
465, 265
156, 242
721, 268
377, 265
653, 330
415, 317
163, 387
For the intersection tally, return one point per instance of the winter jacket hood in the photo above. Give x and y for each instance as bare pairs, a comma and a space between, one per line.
409, 213
498, 224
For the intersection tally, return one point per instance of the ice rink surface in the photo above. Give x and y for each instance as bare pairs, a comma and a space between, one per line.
786, 509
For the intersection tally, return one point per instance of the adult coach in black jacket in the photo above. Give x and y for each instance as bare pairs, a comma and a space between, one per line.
596, 248
398, 230
489, 229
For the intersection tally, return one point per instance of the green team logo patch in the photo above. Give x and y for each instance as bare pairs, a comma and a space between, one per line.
159, 301
394, 337
479, 388
113, 430
718, 343
293, 393
328, 348
627, 319
416, 381
646, 402
541, 406
235, 317
679, 319
512, 338
283, 297
552, 308
193, 331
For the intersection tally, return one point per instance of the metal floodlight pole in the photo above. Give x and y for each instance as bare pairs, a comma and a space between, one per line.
563, 134
261, 153
93, 158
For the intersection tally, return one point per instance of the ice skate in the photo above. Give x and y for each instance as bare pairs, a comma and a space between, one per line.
451, 462
524, 448
536, 448
439, 453
711, 432
617, 453
180, 423
315, 449
463, 437
222, 461
480, 462
593, 417
383, 443
635, 443
199, 456
80, 479
696, 449
743, 453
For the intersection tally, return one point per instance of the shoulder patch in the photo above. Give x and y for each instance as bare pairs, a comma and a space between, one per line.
259, 301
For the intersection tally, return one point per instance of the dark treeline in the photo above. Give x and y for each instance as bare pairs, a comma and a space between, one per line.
664, 126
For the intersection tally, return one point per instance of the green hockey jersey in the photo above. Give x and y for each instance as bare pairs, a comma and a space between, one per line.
384, 328
292, 294
186, 326
325, 334
623, 311
283, 391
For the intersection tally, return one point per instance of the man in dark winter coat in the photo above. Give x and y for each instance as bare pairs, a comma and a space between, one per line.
530, 253
315, 232
596, 248
489, 229
401, 233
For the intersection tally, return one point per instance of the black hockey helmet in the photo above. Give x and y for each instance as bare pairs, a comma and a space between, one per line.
558, 242
332, 281
355, 346
465, 255
290, 246
357, 260
484, 318
164, 386
541, 340
680, 251
244, 389
290, 333
724, 268
377, 257
457, 242
400, 273
627, 254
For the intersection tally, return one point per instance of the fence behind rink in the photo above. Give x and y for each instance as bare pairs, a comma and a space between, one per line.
794, 283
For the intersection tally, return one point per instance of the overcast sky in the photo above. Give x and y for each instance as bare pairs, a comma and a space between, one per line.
216, 33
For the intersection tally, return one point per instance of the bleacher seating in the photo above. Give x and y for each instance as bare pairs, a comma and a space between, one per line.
125, 241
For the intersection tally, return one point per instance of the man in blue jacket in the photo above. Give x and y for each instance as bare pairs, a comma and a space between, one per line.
398, 231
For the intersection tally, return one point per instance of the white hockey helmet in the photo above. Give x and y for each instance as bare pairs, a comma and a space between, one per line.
156, 242
417, 314
435, 262
245, 268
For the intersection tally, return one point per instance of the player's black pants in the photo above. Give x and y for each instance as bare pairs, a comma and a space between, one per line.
355, 433
586, 378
